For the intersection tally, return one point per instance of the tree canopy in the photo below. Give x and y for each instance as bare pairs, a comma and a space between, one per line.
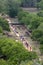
14, 52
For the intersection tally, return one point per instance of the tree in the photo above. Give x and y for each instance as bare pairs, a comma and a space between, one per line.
2, 6
35, 22
37, 34
14, 52
12, 7
41, 4
22, 14
25, 17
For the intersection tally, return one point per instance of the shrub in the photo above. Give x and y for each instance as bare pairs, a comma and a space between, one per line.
14, 52
4, 24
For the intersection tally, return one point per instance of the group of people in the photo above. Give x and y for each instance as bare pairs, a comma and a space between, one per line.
24, 41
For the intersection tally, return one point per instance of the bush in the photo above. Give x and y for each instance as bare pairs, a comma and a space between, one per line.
3, 62
27, 63
14, 52
37, 34
40, 13
4, 24
35, 22
22, 14
40, 27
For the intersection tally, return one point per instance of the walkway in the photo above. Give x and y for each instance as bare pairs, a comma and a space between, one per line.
20, 32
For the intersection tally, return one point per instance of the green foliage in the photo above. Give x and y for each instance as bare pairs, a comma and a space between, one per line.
25, 17
11, 7
41, 48
4, 24
41, 40
42, 62
1, 30
35, 62
40, 13
35, 22
41, 4
14, 52
22, 14
25, 20
2, 6
26, 63
37, 34
3, 62
31, 20
40, 27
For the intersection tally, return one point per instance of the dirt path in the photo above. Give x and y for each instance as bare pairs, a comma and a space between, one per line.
31, 10
19, 32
